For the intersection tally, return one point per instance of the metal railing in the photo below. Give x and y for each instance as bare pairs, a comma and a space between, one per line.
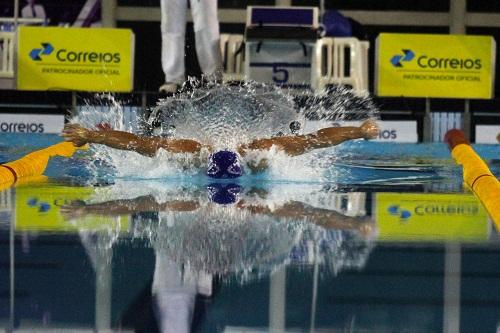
7, 40
23, 20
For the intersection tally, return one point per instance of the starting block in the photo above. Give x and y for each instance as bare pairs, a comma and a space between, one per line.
280, 44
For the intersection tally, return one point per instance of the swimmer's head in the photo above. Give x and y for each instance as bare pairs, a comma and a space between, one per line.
223, 194
224, 164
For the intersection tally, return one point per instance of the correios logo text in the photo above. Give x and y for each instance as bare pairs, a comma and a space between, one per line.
434, 209
425, 61
74, 56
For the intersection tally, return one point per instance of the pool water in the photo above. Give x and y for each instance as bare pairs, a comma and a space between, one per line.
386, 240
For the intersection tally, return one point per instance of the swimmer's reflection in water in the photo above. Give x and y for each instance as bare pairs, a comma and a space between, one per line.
224, 163
184, 270
227, 194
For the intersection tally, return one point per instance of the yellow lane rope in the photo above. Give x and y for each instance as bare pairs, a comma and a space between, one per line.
476, 173
33, 164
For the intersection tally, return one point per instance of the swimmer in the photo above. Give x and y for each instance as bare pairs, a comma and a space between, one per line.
226, 194
221, 164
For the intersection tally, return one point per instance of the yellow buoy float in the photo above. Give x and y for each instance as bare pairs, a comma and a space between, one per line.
476, 173
33, 164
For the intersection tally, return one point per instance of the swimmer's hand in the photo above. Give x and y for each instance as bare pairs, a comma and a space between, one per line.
255, 167
73, 210
369, 129
77, 134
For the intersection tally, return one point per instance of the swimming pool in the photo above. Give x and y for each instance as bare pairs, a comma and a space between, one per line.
387, 241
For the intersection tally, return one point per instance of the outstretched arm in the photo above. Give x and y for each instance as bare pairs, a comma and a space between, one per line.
326, 137
328, 219
127, 141
126, 206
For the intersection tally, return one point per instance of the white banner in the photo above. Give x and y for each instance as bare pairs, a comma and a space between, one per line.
398, 131
487, 133
31, 123
390, 130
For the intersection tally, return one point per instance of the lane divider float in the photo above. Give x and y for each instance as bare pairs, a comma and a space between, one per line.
33, 164
476, 173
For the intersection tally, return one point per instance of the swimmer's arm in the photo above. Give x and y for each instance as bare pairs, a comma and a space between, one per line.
127, 206
325, 218
326, 137
328, 219
128, 141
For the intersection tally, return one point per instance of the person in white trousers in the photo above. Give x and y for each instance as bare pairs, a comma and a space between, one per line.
173, 30
174, 291
33, 10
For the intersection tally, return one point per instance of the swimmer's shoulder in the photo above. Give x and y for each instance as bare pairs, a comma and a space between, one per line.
180, 145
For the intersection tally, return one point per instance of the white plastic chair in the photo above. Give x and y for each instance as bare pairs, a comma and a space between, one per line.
330, 63
232, 51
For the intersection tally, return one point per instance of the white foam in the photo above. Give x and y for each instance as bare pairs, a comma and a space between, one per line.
226, 117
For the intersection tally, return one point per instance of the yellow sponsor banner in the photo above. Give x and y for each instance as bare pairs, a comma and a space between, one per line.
446, 66
430, 217
38, 208
52, 58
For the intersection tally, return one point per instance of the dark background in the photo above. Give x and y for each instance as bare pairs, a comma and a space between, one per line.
149, 76
57, 11
148, 73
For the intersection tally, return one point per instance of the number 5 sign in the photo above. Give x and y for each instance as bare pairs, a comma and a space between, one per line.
277, 69
286, 64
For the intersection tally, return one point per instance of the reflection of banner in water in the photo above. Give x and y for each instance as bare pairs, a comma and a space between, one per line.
426, 217
38, 207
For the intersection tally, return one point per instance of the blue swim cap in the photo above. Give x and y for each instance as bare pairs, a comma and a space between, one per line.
223, 194
224, 164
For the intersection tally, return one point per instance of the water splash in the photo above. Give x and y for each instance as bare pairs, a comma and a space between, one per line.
249, 239
103, 108
224, 117
339, 103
